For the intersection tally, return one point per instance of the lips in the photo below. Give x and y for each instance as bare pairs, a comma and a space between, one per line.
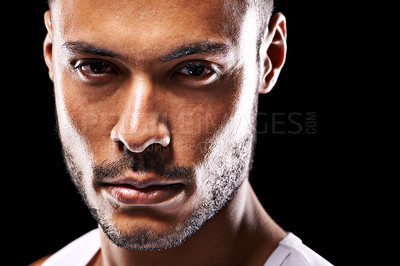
130, 191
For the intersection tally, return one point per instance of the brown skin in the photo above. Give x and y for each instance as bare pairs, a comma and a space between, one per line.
139, 100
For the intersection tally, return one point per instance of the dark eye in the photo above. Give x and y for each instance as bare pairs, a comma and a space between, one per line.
95, 71
95, 67
195, 70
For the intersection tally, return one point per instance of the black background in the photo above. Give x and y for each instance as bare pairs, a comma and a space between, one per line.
300, 170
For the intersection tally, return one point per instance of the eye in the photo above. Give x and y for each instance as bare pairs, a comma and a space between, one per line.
196, 71
94, 69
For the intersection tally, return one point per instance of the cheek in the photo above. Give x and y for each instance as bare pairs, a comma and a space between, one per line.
91, 122
199, 122
95, 125
194, 127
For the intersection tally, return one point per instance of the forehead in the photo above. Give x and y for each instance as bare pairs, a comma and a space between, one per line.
143, 24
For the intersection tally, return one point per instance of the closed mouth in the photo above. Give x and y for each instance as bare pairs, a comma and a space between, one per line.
130, 191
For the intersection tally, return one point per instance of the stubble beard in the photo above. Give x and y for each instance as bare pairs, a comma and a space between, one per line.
221, 174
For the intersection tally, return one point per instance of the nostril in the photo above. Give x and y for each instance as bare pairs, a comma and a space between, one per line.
114, 136
122, 147
143, 145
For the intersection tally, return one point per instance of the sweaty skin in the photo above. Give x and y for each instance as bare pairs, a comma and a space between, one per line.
162, 96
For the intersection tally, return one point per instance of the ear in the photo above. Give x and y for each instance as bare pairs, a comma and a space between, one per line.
48, 44
273, 52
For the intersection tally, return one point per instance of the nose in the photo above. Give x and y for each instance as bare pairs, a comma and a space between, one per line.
140, 123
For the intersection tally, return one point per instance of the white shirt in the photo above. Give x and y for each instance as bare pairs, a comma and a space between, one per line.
77, 253
290, 252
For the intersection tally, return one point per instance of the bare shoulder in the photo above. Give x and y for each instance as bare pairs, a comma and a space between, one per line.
40, 261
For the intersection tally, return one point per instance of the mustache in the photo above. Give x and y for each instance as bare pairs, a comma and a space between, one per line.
144, 162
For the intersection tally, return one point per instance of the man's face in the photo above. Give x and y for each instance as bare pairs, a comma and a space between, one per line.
156, 105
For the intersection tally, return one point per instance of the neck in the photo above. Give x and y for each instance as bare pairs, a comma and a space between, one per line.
241, 233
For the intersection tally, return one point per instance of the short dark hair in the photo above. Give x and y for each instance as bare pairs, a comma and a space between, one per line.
264, 8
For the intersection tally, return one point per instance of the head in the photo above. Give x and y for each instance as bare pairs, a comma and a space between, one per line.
160, 92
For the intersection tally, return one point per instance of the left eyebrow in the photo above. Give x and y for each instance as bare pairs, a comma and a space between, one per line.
205, 47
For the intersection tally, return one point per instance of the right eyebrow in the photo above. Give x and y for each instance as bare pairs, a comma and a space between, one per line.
83, 47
